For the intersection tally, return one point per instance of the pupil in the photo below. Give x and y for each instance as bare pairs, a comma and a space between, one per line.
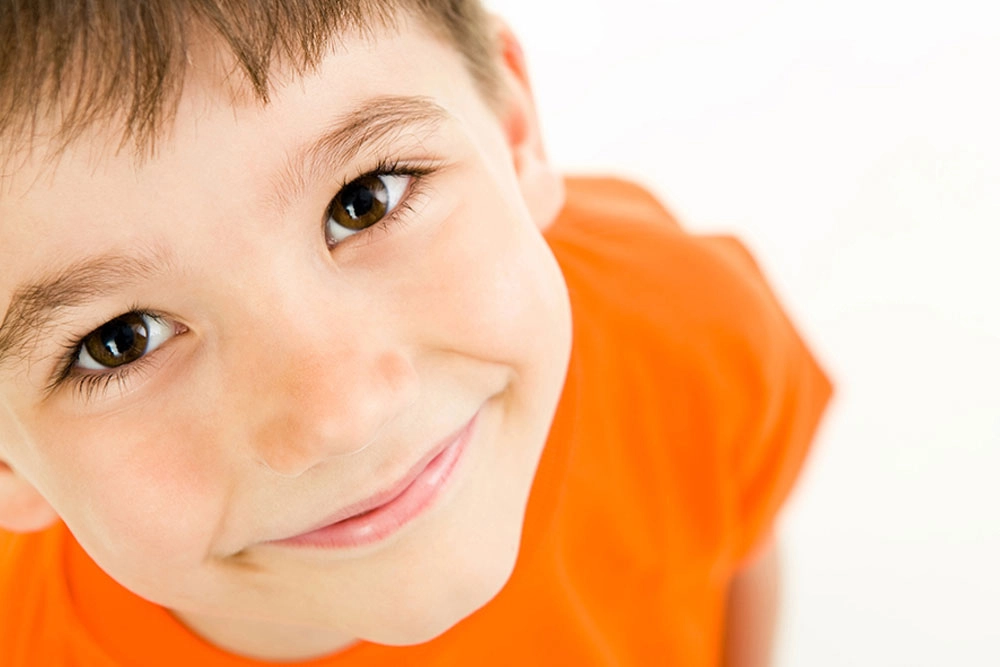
358, 200
119, 340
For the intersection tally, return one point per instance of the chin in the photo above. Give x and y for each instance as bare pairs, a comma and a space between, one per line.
419, 617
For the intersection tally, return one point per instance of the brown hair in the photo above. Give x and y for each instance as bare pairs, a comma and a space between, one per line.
83, 62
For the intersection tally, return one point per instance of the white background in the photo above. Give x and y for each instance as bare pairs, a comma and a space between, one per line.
854, 146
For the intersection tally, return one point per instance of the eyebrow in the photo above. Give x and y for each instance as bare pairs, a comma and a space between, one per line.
371, 126
34, 307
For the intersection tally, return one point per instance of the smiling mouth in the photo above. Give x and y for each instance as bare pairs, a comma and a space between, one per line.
381, 515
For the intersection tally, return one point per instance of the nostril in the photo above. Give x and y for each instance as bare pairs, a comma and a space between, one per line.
280, 471
292, 459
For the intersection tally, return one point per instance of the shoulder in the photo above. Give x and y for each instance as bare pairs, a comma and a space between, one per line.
687, 347
623, 253
33, 598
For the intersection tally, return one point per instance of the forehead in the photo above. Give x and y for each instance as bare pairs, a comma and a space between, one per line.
217, 109
210, 69
125, 63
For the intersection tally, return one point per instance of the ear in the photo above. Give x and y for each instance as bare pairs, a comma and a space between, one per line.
541, 185
22, 508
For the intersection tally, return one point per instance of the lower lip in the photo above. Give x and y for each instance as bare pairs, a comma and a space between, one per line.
379, 523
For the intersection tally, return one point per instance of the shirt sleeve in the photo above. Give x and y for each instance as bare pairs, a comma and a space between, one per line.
716, 379
773, 394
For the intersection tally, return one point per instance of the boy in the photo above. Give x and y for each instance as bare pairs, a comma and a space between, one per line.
307, 354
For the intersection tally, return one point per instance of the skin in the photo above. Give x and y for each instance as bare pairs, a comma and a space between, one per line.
752, 609
300, 379
294, 383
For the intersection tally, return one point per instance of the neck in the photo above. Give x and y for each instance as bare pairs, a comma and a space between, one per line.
264, 640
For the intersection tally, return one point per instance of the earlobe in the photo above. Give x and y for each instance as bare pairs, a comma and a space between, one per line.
22, 508
541, 185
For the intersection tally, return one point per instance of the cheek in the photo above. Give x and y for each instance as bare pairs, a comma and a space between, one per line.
492, 286
129, 497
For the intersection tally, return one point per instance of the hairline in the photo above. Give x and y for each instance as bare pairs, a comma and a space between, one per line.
29, 138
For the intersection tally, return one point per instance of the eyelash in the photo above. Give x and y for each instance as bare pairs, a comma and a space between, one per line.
88, 385
417, 171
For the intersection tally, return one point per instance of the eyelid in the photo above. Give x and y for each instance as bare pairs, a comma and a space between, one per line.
160, 333
418, 171
67, 371
398, 194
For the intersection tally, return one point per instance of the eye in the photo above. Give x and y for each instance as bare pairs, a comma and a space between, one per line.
362, 203
122, 341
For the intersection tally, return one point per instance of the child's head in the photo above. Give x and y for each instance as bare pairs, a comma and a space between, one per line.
289, 285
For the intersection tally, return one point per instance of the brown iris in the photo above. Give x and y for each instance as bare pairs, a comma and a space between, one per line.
118, 342
360, 204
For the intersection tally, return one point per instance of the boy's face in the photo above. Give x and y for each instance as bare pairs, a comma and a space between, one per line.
283, 380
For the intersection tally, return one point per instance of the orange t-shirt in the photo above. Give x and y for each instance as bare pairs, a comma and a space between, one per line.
689, 406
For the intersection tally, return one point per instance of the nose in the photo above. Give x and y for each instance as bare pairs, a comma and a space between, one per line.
324, 396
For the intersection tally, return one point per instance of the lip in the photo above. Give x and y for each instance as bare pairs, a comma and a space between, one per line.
382, 514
